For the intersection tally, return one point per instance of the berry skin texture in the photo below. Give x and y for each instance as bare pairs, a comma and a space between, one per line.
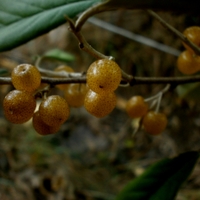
41, 127
136, 107
65, 70
154, 123
75, 94
19, 106
103, 76
100, 105
188, 63
193, 34
54, 110
26, 77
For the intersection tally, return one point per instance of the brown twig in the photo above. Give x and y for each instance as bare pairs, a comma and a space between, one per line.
83, 44
88, 13
174, 81
176, 32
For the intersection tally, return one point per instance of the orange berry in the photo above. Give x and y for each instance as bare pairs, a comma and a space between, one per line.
154, 123
54, 110
19, 106
75, 94
26, 77
64, 69
41, 127
193, 34
103, 76
136, 107
188, 63
100, 105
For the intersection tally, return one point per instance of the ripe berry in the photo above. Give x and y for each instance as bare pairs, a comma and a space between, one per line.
65, 70
100, 105
154, 123
75, 94
41, 127
136, 107
103, 76
54, 110
188, 63
193, 34
19, 106
26, 77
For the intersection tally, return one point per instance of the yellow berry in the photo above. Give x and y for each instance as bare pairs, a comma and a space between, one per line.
64, 69
100, 105
103, 76
41, 127
75, 94
154, 123
193, 34
26, 77
136, 107
19, 106
54, 110
188, 63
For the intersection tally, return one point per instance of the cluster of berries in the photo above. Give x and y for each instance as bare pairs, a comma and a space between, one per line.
103, 78
97, 96
20, 104
153, 122
188, 62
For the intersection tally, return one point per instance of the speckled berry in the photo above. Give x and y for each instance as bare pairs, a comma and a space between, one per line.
19, 106
188, 63
54, 110
103, 76
41, 127
26, 77
154, 123
136, 107
193, 34
75, 94
100, 105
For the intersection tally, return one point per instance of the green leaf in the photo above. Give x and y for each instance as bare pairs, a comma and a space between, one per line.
161, 180
189, 91
58, 54
3, 71
23, 20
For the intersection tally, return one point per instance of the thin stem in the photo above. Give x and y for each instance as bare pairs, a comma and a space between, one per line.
83, 44
42, 93
174, 81
158, 94
126, 77
62, 74
138, 128
88, 13
5, 81
50, 73
156, 99
56, 81
176, 32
